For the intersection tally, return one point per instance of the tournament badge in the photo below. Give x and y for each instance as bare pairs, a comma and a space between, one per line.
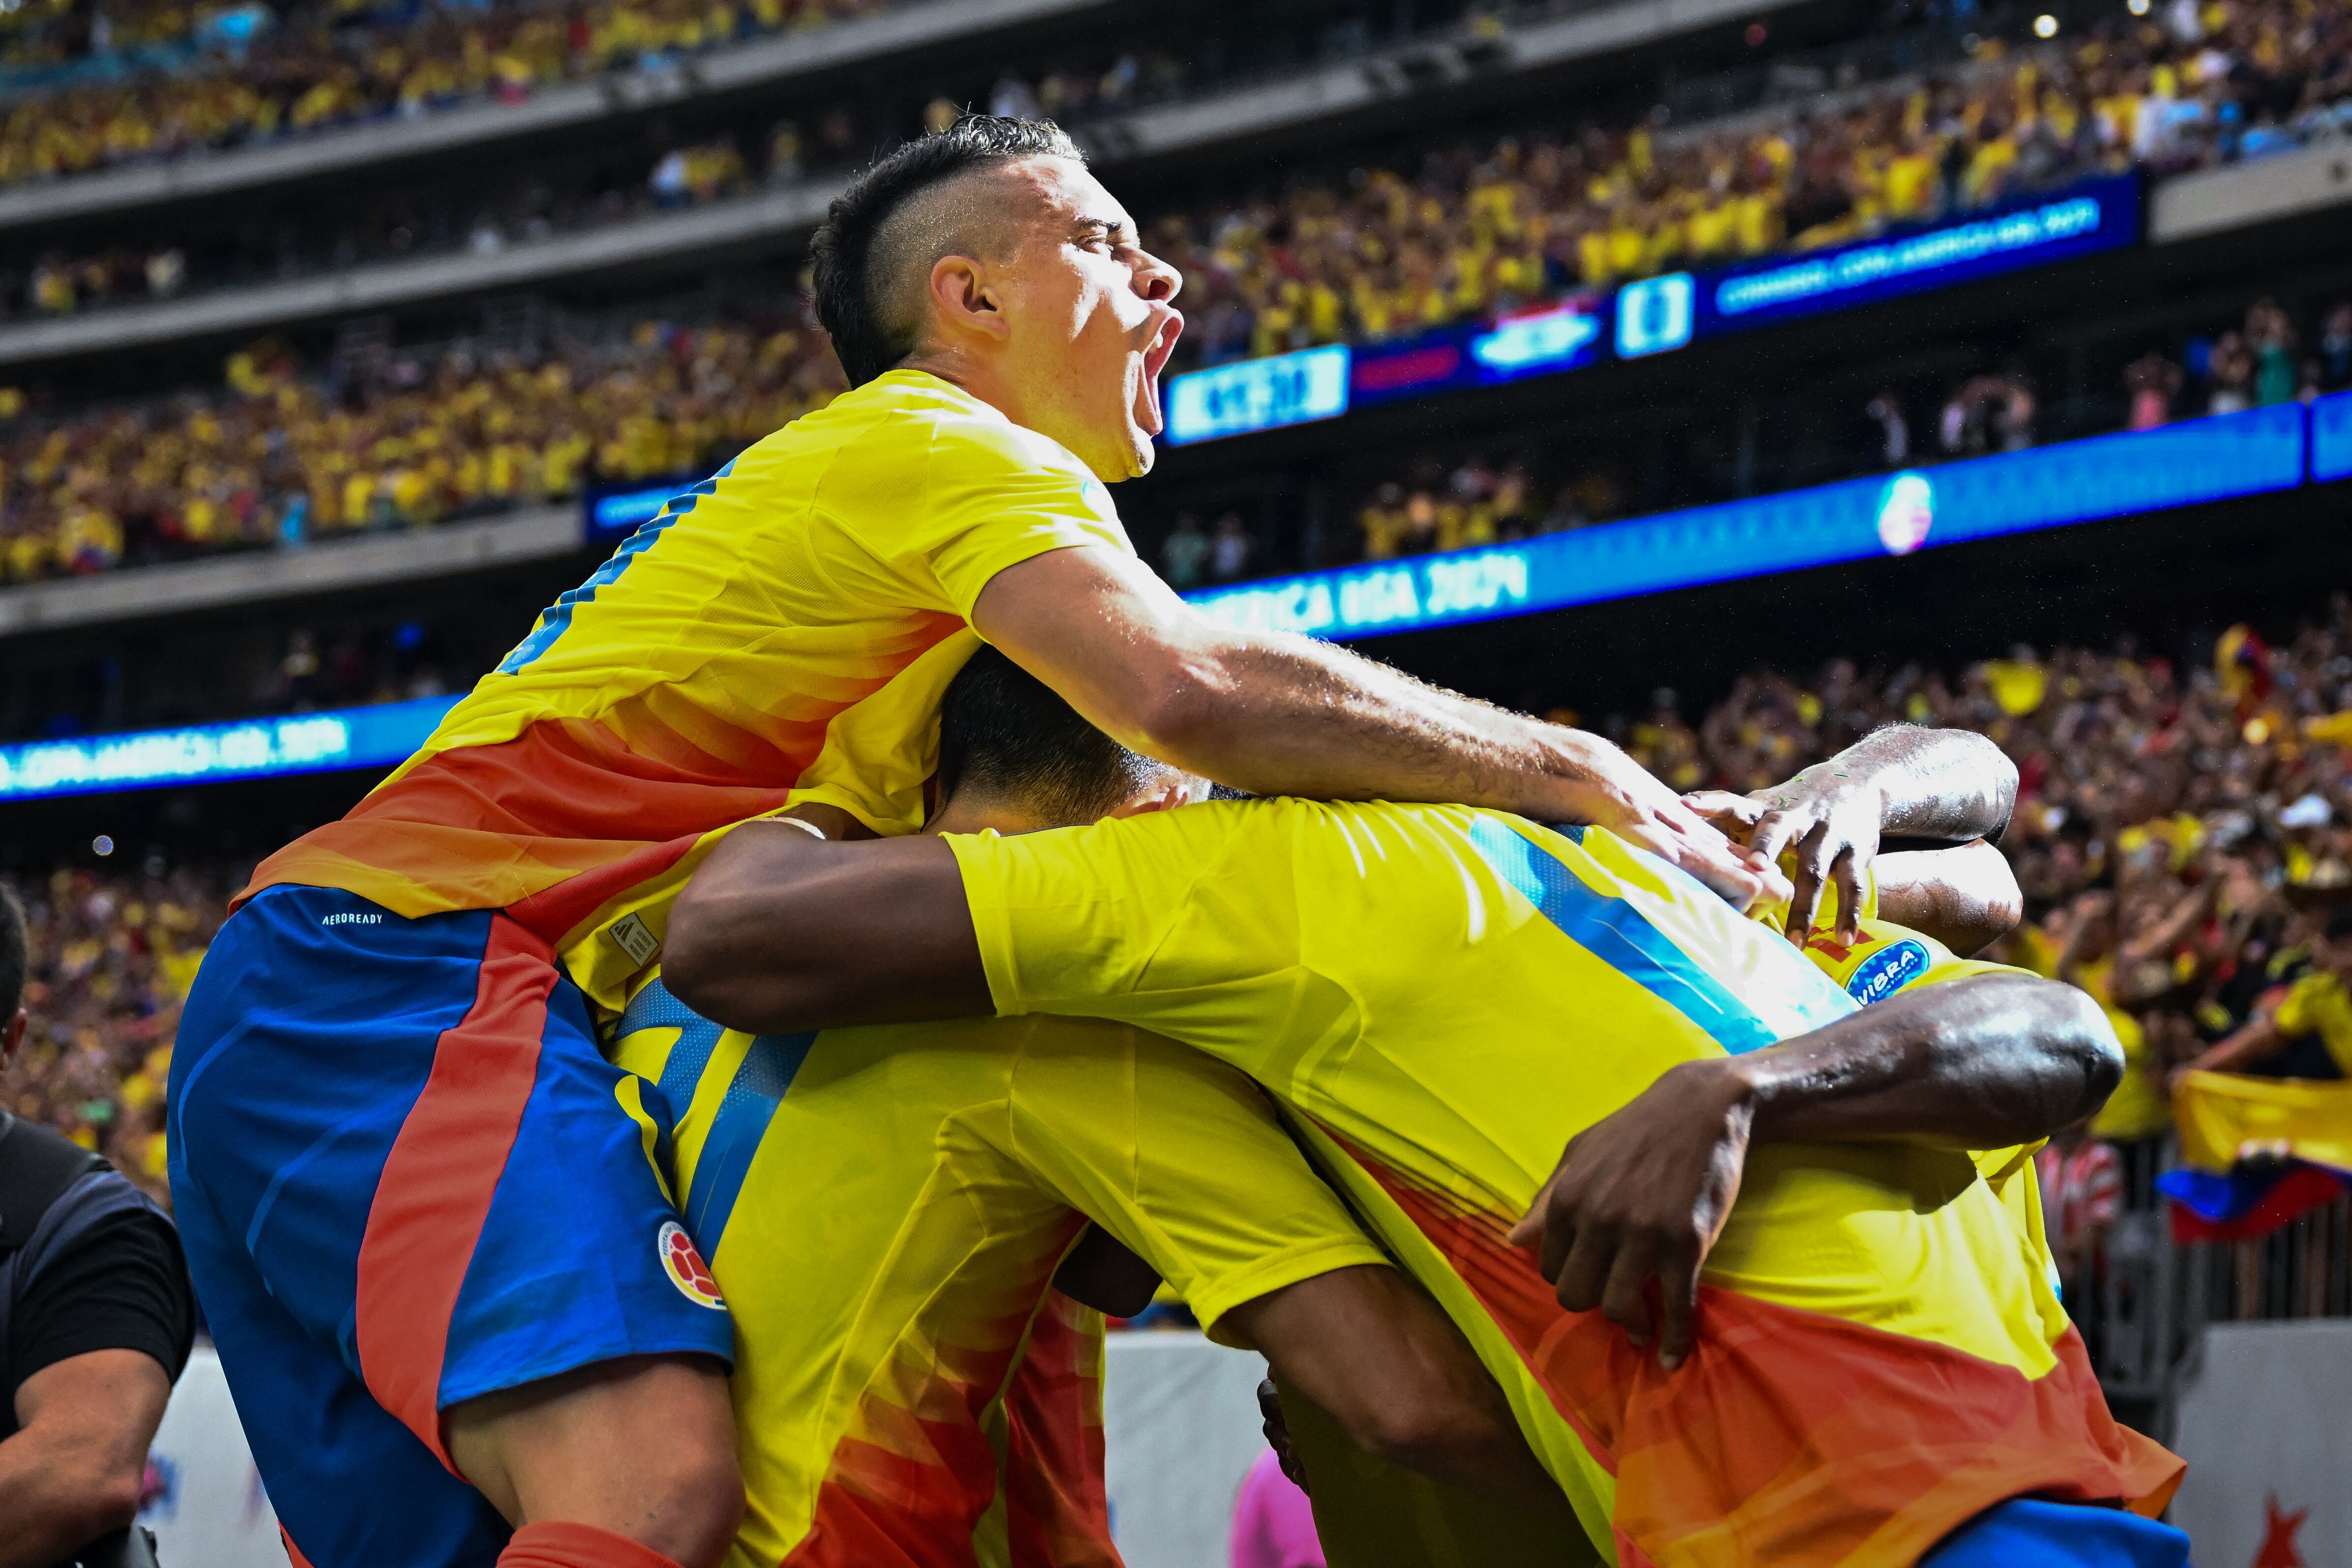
685, 1265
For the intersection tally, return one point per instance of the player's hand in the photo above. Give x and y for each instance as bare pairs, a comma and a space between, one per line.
1831, 823
1640, 1197
1616, 793
1278, 1433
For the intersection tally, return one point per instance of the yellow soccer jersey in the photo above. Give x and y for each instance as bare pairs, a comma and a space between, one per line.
882, 1210
1442, 996
699, 678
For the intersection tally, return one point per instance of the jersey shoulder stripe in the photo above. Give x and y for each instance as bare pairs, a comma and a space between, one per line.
1619, 935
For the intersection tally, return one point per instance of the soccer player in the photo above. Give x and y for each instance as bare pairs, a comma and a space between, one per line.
885, 1209
421, 1225
1438, 994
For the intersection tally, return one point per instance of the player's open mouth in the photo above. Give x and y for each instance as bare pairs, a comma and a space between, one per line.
1155, 358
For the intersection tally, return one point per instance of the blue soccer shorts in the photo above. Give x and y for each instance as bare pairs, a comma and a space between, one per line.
406, 1177
2028, 1532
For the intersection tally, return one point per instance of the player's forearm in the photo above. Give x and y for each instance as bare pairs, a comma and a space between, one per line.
1980, 1063
1280, 715
1966, 897
1947, 784
778, 932
56, 1502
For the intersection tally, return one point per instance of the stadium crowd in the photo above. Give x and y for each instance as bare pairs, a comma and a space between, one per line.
314, 66
1473, 230
1476, 229
113, 958
2183, 835
1496, 497
278, 458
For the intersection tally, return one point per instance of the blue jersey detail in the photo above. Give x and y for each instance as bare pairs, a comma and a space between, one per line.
1888, 971
767, 1070
2029, 1532
558, 618
1619, 935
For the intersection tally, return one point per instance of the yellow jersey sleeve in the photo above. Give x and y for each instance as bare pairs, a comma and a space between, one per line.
998, 495
2298, 1012
1084, 921
1187, 1168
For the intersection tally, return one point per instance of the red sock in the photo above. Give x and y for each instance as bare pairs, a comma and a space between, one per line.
563, 1545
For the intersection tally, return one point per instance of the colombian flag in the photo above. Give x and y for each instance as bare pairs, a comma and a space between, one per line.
2260, 1151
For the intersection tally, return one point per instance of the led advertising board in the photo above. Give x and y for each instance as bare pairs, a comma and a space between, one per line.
2076, 481
1257, 394
2331, 436
2092, 215
376, 736
1655, 315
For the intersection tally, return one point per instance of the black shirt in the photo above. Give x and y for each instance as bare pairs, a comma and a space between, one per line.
122, 1285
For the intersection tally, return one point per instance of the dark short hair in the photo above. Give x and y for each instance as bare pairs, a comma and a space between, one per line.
1006, 733
15, 956
844, 247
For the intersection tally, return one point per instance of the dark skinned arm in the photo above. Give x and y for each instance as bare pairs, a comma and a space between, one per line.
1980, 1063
778, 931
1940, 786
1967, 899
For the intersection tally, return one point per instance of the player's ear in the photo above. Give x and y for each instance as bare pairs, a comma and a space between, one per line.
967, 299
12, 1035
1174, 791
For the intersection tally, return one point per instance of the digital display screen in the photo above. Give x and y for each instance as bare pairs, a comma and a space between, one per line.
616, 514
2098, 215
2047, 487
1257, 394
376, 736
2331, 436
1657, 315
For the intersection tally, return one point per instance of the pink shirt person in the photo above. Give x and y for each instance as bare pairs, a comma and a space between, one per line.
1274, 1526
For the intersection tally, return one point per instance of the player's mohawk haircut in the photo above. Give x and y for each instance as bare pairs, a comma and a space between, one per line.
862, 335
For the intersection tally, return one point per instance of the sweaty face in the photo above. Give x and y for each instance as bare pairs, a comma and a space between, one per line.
1092, 319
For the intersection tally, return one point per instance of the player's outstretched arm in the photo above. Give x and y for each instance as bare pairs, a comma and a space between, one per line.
1966, 897
1275, 713
1945, 786
781, 930
1980, 1063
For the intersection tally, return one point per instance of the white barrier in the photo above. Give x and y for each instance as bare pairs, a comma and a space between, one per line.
205, 1500
1181, 1430
2262, 1424
1181, 1425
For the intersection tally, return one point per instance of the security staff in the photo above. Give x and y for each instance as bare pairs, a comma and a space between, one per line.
96, 1321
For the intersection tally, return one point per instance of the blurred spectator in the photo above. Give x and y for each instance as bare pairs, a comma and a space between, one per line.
1231, 549
2271, 338
2229, 375
2336, 350
2151, 382
1885, 411
1184, 554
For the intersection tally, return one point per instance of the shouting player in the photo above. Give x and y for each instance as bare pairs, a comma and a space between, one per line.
448, 1288
1437, 993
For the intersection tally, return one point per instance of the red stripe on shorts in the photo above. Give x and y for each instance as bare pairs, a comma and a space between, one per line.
435, 1190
